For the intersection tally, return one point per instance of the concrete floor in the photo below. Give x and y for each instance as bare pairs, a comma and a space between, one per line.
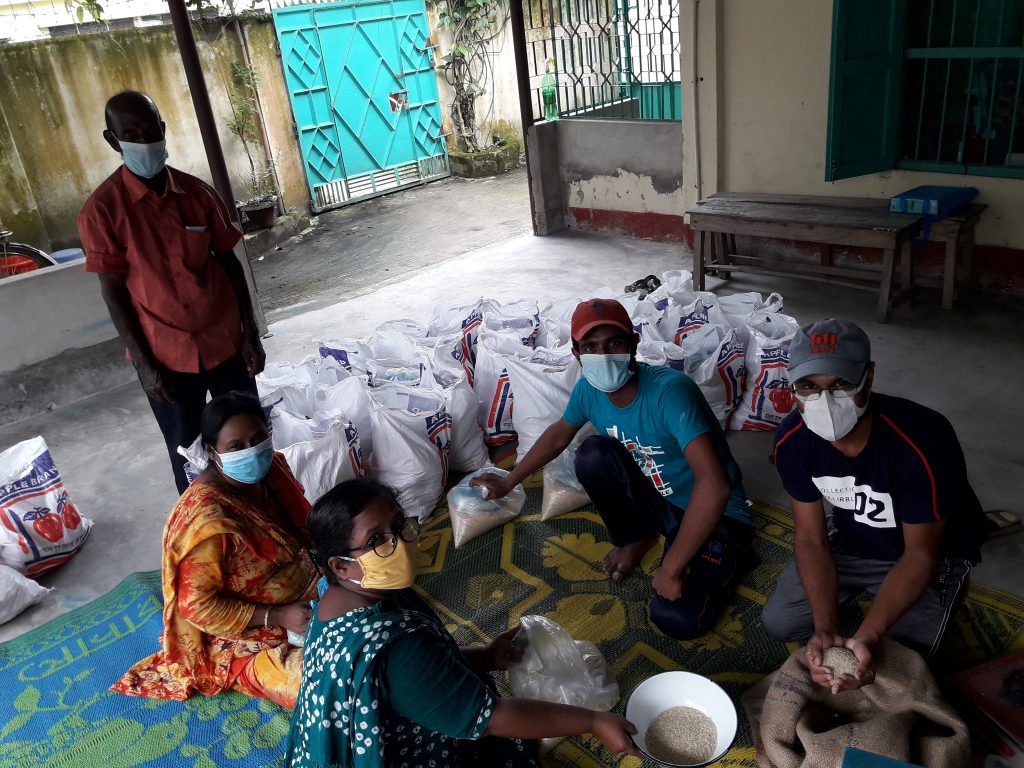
358, 246
966, 364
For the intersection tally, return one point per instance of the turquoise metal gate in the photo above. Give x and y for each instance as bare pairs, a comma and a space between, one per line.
361, 81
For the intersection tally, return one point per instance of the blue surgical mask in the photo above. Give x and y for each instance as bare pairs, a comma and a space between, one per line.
145, 160
608, 373
250, 465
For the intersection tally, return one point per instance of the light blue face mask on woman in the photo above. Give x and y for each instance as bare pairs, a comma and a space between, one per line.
250, 465
608, 373
145, 160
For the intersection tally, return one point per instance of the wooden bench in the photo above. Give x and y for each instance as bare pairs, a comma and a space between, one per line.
832, 221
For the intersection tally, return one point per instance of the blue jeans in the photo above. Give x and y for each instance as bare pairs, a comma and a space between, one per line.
633, 510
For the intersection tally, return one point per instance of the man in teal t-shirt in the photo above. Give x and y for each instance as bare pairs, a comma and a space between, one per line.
659, 464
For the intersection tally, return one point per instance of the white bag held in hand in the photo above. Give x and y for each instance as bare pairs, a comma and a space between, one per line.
411, 436
36, 508
492, 386
17, 593
473, 514
331, 455
468, 451
767, 397
559, 669
542, 382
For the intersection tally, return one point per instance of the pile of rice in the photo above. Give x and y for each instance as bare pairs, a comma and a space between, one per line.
841, 661
682, 735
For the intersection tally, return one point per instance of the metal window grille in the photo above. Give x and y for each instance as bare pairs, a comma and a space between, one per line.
614, 59
963, 103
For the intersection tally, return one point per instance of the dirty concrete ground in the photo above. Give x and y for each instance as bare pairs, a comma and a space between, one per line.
358, 246
964, 364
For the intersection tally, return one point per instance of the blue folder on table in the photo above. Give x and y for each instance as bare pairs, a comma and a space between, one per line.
932, 200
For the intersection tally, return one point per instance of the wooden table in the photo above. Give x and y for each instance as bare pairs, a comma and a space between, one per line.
834, 221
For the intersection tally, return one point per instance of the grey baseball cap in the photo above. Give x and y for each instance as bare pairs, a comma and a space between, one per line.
831, 347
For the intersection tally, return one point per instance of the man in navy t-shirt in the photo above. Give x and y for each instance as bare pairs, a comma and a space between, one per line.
905, 523
659, 464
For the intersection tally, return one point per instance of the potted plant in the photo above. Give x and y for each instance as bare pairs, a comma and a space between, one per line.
260, 207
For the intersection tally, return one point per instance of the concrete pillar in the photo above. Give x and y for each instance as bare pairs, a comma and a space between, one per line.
545, 178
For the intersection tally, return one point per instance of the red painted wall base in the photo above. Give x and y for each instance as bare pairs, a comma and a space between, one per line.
999, 269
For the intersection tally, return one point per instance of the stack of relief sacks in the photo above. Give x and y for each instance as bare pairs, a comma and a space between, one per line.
414, 404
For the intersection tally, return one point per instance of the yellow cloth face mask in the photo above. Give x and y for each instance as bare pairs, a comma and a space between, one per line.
396, 571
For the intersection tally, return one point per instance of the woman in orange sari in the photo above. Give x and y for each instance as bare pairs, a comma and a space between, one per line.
236, 570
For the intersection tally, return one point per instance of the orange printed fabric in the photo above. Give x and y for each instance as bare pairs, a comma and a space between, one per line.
222, 558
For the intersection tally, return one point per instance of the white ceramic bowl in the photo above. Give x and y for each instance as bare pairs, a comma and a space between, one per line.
682, 689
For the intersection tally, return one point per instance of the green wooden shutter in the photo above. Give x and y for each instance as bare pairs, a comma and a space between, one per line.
864, 89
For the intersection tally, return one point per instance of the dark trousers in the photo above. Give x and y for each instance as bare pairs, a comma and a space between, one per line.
633, 510
179, 421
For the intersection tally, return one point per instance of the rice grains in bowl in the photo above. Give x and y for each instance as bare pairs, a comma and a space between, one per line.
682, 736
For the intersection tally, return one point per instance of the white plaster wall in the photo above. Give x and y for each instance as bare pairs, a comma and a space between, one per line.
774, 69
622, 165
49, 311
501, 102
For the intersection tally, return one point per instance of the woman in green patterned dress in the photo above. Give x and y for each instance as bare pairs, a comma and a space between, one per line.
384, 685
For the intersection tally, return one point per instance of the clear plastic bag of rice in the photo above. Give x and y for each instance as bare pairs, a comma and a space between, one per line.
562, 491
472, 513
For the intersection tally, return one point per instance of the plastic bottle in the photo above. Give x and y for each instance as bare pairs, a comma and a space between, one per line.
549, 92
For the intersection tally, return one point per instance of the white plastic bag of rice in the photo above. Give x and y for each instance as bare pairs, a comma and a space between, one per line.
472, 513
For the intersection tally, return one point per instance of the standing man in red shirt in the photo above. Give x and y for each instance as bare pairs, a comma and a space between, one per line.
161, 242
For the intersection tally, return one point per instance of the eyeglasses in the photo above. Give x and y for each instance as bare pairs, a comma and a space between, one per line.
385, 544
806, 392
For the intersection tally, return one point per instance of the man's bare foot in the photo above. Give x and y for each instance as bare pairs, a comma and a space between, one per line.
622, 561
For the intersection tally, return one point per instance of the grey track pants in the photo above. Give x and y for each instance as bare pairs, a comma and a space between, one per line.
787, 614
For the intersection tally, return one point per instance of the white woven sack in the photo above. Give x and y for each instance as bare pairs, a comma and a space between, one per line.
289, 385
521, 316
542, 382
330, 456
491, 383
682, 319
411, 438
767, 397
351, 353
468, 451
17, 592
351, 397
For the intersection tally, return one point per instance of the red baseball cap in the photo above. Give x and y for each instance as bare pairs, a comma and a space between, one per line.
594, 312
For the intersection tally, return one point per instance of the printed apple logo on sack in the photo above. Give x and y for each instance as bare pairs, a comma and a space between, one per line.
782, 399
67, 512
46, 524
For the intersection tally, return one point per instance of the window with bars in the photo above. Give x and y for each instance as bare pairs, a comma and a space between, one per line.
930, 85
614, 59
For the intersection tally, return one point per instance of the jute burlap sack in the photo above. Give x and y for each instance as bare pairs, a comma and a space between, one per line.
902, 715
